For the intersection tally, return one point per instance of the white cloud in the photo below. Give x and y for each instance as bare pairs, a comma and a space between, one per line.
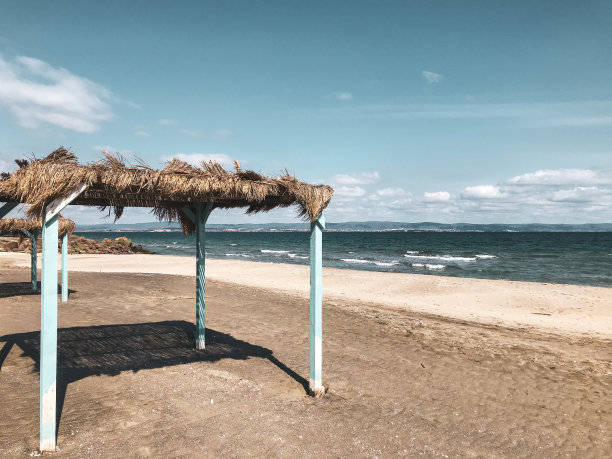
578, 194
363, 178
37, 93
432, 77
552, 195
437, 196
141, 133
391, 192
166, 122
391, 198
129, 103
564, 177
349, 191
344, 96
197, 158
482, 192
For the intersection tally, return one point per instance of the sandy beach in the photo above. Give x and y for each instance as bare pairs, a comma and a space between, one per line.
569, 309
416, 365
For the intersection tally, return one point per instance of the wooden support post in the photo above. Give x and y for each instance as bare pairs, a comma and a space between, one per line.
202, 213
65, 267
48, 318
48, 334
33, 236
316, 305
6, 208
34, 259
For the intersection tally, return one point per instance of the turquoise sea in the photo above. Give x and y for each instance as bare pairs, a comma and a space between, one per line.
556, 257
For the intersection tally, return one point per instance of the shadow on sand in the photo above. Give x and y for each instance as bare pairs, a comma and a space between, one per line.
111, 349
10, 289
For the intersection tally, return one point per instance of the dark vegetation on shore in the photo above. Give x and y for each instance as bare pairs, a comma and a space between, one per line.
77, 244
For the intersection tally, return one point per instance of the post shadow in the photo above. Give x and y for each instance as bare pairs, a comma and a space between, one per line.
111, 349
10, 289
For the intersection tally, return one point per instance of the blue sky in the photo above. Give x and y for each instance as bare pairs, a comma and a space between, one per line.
449, 111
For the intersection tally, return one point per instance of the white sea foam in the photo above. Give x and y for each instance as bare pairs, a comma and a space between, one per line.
295, 255
355, 260
384, 263
412, 252
377, 263
244, 255
233, 244
273, 251
441, 258
485, 257
428, 266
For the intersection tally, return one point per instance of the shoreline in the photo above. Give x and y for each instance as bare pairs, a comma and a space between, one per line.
560, 308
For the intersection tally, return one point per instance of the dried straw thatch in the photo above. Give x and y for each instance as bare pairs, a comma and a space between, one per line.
113, 184
15, 225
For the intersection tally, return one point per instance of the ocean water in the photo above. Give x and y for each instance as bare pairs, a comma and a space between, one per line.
556, 257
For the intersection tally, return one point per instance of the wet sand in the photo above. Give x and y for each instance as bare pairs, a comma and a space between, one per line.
402, 381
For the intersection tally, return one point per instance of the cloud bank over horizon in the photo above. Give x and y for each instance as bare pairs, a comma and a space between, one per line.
543, 196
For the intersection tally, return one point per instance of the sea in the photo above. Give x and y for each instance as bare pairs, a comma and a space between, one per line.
583, 258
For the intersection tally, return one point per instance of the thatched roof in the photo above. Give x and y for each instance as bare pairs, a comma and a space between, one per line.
113, 184
15, 225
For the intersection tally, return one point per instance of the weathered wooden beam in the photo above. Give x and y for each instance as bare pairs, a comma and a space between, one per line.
65, 267
202, 213
7, 207
57, 205
316, 387
48, 333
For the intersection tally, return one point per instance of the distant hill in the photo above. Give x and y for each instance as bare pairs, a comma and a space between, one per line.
360, 226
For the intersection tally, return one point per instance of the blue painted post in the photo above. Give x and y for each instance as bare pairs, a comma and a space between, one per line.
202, 213
48, 334
6, 208
316, 306
33, 236
33, 256
65, 267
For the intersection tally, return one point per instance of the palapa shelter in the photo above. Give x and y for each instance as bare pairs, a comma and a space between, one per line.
32, 228
180, 192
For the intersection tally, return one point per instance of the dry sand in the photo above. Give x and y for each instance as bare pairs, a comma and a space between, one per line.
416, 365
573, 309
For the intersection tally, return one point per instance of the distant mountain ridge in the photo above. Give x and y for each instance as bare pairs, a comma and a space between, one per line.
361, 226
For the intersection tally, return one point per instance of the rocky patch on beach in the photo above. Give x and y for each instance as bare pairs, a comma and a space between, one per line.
77, 244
